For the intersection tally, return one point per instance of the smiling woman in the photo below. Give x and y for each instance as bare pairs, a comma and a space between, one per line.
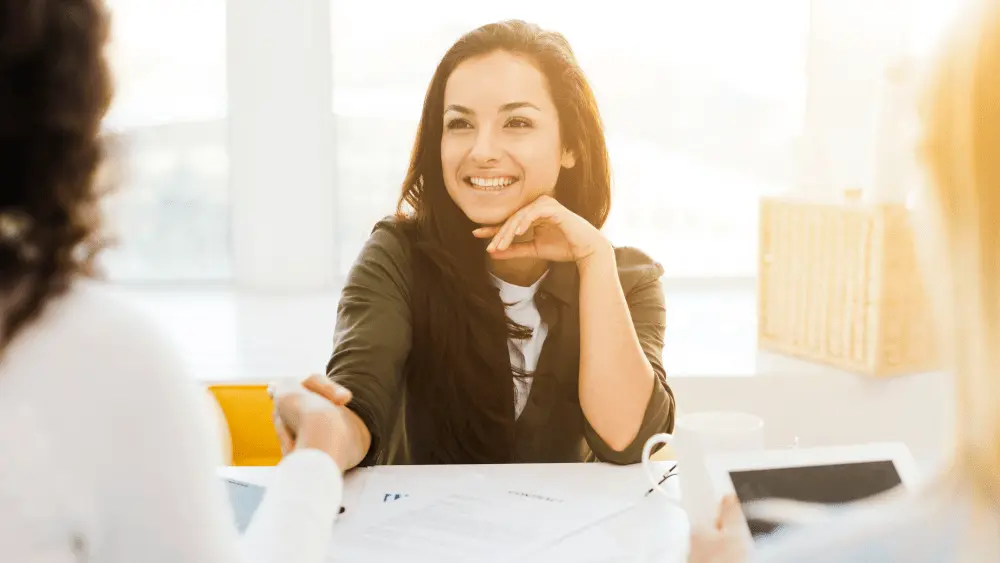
489, 320
499, 155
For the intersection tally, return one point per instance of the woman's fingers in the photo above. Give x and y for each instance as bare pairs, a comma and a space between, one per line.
282, 388
284, 393
516, 225
485, 232
730, 516
285, 439
333, 392
517, 250
322, 386
292, 399
522, 227
500, 239
539, 213
542, 209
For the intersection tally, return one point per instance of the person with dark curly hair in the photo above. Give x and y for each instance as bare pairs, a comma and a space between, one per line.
106, 452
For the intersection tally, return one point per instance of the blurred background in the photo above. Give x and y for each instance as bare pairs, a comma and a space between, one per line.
259, 142
704, 102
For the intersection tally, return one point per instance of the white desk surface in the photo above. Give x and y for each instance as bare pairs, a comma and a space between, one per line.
654, 530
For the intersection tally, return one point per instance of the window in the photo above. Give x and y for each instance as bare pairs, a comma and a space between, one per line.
701, 112
703, 103
167, 127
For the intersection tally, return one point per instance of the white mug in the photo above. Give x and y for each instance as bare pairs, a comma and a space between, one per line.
696, 435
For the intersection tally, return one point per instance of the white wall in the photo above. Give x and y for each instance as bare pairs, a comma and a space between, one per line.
281, 138
281, 144
851, 43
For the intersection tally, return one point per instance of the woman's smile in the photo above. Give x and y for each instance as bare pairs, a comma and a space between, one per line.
490, 184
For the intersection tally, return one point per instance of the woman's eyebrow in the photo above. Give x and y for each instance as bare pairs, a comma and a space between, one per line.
518, 105
510, 106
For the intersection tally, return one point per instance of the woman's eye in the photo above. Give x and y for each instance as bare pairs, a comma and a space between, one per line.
518, 123
459, 124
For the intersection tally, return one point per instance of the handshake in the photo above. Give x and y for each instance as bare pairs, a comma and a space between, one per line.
313, 414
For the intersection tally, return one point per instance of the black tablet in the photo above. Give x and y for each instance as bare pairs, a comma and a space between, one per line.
826, 476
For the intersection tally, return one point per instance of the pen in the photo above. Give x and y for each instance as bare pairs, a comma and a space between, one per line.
670, 473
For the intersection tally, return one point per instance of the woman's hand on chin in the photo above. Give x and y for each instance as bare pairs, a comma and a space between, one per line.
546, 230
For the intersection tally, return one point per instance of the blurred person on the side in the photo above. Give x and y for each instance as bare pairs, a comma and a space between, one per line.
107, 451
956, 515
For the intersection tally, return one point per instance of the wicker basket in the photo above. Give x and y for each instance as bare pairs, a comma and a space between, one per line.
839, 284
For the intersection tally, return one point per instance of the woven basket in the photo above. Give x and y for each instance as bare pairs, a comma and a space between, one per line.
839, 284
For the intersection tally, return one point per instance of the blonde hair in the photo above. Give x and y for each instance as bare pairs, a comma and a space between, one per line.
962, 153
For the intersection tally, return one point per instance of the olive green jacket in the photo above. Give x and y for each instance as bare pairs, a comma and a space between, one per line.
373, 339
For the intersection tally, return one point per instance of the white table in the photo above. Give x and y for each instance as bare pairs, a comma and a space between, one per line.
654, 530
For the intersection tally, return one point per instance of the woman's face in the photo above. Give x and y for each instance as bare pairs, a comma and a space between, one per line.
501, 148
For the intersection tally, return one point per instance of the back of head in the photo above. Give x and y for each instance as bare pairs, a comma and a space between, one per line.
54, 91
962, 152
961, 147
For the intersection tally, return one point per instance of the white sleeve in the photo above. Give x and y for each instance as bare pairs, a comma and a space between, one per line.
301, 504
910, 527
160, 499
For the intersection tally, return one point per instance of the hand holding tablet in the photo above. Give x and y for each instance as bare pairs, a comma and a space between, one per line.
813, 479
696, 436
721, 454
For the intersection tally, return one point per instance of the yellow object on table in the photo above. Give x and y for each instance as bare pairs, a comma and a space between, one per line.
839, 283
247, 409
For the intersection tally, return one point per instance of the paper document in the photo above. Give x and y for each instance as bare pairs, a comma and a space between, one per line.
650, 529
386, 494
469, 526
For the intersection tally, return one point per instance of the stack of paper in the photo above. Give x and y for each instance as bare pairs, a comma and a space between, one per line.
473, 522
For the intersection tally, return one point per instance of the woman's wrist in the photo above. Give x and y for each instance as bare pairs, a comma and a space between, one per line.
337, 434
321, 433
600, 258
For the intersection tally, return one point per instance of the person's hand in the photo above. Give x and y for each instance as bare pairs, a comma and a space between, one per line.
311, 414
323, 386
547, 230
726, 542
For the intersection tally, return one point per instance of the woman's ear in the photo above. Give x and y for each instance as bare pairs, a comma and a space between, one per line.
568, 159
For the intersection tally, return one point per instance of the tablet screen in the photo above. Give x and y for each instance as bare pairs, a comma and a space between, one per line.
825, 484
244, 498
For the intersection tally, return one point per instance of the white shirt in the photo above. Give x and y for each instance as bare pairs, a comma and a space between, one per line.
524, 354
927, 526
107, 453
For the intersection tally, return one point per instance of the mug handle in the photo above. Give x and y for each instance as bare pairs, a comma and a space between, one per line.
647, 466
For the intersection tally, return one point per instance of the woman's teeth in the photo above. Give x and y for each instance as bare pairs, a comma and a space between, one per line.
491, 184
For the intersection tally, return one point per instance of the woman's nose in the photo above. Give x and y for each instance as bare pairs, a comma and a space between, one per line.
486, 149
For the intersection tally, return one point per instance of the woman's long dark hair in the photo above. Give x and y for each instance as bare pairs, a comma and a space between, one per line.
459, 385
54, 90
